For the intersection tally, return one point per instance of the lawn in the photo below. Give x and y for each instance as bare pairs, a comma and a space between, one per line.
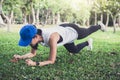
102, 63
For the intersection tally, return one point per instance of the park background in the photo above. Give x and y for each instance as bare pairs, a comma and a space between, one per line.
102, 63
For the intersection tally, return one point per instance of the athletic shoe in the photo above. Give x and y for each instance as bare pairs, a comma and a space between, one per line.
90, 46
71, 53
102, 26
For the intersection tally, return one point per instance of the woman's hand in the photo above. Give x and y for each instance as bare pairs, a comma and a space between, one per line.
16, 56
29, 62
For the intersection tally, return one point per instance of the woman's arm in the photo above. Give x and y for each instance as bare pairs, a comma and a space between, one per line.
28, 55
53, 51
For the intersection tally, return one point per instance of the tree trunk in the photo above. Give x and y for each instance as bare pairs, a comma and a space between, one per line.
25, 19
0, 7
119, 20
114, 26
33, 15
46, 18
53, 18
37, 16
95, 18
8, 26
88, 22
84, 22
9, 20
107, 21
30, 19
101, 17
49, 19
58, 18
2, 24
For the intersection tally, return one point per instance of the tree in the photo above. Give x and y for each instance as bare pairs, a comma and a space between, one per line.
28, 10
114, 9
103, 9
66, 11
99, 7
74, 12
83, 15
55, 9
8, 11
1, 19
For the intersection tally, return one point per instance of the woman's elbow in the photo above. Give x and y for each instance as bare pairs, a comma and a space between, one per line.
33, 54
52, 61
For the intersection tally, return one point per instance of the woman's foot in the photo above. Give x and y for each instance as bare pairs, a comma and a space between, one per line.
90, 46
103, 28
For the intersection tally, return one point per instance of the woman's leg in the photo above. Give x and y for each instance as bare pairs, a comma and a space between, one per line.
71, 47
84, 32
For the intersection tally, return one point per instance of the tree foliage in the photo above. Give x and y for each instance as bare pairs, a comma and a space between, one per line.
114, 7
69, 11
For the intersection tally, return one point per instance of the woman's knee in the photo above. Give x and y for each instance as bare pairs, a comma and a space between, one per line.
74, 51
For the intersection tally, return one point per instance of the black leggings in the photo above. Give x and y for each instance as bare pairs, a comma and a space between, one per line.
82, 33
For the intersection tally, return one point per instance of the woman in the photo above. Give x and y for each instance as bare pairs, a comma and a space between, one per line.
63, 34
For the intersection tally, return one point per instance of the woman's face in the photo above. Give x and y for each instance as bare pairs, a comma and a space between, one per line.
36, 40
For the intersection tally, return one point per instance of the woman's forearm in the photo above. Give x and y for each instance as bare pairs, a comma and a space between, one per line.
46, 63
28, 55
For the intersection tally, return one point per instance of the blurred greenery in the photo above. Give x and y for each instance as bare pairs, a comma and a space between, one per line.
47, 11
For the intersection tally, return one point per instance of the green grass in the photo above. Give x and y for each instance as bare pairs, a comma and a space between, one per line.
102, 63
